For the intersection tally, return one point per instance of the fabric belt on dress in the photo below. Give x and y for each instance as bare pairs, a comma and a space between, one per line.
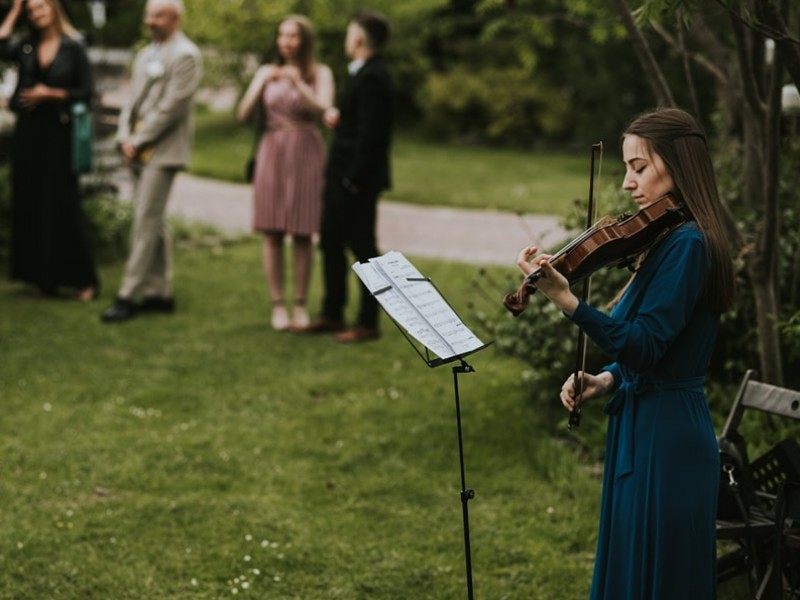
622, 407
292, 127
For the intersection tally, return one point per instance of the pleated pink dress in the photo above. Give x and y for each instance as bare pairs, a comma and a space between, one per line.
288, 178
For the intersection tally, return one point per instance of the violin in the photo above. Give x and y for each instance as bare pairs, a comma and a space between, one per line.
610, 242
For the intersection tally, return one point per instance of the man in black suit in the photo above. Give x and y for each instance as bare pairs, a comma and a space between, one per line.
356, 173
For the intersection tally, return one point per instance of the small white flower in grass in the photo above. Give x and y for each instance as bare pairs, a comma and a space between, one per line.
248, 537
194, 581
234, 591
47, 407
264, 543
276, 578
550, 510
256, 572
42, 475
20, 545
274, 545
245, 585
246, 558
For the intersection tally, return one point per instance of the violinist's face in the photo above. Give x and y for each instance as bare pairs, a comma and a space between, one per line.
646, 175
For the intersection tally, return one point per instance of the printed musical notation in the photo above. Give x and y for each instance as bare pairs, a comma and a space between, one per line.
415, 304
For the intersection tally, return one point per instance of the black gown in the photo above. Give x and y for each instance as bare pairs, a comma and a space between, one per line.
50, 245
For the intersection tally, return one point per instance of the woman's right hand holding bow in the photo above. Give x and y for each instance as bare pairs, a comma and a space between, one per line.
594, 386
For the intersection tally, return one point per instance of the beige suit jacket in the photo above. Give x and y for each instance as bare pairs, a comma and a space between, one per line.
157, 118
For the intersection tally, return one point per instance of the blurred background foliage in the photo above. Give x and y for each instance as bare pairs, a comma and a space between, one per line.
522, 73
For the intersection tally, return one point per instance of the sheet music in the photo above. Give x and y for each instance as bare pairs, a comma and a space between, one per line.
416, 305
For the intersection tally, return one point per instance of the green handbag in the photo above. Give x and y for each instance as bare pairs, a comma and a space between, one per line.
82, 154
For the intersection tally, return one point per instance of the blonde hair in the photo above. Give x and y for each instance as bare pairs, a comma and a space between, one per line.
61, 20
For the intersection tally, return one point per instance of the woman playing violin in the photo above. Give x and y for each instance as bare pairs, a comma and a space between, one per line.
656, 537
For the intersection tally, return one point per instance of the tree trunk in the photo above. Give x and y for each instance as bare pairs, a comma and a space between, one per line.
654, 75
771, 368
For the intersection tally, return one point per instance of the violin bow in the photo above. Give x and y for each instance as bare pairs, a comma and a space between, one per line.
580, 357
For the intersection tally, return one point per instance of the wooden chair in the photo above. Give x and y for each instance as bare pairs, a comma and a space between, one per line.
785, 570
745, 536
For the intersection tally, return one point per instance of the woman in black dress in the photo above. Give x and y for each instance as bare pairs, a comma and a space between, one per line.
50, 246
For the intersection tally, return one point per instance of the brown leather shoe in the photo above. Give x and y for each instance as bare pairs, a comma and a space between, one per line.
321, 325
359, 333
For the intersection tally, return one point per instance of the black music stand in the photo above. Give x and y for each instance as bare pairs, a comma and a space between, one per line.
432, 360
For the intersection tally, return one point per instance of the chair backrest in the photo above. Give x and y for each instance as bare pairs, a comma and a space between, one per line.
781, 463
763, 397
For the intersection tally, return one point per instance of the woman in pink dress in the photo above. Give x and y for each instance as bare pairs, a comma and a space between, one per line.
294, 91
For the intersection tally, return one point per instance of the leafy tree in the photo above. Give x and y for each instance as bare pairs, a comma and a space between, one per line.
239, 30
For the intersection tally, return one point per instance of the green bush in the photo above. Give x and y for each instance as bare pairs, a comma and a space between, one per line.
493, 105
109, 224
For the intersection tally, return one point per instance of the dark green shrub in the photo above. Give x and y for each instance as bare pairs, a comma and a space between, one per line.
110, 223
493, 105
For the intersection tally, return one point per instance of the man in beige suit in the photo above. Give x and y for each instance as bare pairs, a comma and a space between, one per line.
155, 132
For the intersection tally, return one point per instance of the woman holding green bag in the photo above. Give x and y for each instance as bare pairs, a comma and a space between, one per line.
50, 246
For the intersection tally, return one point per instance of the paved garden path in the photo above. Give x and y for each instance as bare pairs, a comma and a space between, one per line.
470, 236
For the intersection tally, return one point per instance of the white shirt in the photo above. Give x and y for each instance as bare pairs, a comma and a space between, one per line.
355, 66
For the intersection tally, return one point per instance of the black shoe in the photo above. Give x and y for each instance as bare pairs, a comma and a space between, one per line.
121, 310
162, 304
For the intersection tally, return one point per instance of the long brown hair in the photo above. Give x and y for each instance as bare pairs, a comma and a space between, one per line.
305, 55
677, 138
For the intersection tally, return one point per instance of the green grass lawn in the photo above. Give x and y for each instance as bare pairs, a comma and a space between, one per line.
192, 455
428, 173
203, 455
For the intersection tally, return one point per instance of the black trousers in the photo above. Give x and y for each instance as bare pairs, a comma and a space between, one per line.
348, 223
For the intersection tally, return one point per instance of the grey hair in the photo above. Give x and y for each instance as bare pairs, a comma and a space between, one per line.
176, 5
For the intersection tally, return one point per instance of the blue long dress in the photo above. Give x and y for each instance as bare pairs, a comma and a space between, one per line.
656, 537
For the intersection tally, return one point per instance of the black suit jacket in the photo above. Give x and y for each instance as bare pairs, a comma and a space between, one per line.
359, 152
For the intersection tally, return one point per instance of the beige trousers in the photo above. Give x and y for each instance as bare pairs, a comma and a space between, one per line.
148, 271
